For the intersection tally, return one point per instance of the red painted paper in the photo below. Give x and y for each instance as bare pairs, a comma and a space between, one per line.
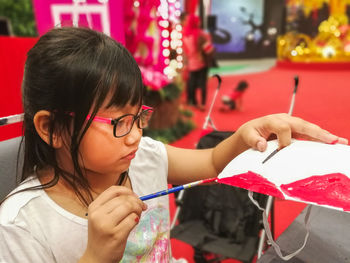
253, 182
329, 189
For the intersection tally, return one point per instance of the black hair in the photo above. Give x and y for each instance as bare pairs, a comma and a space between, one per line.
71, 72
242, 85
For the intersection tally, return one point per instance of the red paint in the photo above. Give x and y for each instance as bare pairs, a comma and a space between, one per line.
334, 142
329, 189
253, 182
209, 180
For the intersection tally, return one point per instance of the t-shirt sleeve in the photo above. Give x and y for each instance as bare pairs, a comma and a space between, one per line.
156, 153
18, 245
149, 170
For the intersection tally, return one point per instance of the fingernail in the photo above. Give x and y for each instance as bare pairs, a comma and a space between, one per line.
137, 219
260, 146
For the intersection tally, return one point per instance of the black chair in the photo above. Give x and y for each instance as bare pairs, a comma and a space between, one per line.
9, 166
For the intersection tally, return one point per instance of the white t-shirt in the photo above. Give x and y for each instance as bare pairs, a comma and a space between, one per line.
33, 228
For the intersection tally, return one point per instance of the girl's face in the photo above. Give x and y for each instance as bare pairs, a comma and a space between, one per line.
101, 152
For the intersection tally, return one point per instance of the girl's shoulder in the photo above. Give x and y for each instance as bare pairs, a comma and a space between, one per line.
16, 200
148, 172
150, 146
151, 153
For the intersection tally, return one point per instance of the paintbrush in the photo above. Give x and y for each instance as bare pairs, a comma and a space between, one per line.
176, 189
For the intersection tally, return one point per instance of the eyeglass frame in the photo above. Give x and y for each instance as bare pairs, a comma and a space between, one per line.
114, 122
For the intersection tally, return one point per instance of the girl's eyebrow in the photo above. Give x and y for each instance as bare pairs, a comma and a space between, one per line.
118, 111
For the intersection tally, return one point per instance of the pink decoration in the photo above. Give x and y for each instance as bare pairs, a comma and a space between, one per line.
155, 80
105, 17
144, 40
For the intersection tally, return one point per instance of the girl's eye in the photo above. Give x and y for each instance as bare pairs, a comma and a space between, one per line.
125, 122
120, 123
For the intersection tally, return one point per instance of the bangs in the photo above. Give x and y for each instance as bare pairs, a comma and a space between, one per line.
126, 89
120, 82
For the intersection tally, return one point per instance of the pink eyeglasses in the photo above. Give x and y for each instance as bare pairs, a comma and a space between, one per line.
123, 125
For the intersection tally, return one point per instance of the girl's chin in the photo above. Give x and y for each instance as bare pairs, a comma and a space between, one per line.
115, 169
122, 167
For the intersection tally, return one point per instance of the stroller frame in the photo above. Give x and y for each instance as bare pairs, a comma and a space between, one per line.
269, 203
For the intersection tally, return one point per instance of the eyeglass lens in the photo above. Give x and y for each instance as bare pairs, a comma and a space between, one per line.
124, 125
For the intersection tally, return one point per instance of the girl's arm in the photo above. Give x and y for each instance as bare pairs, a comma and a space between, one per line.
187, 165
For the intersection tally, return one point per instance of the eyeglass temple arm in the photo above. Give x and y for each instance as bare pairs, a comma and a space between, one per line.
19, 117
100, 119
144, 107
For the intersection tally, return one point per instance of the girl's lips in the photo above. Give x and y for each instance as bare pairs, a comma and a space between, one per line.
131, 155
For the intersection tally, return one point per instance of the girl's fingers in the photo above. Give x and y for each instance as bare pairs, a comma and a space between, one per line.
112, 207
342, 141
130, 218
110, 193
258, 131
105, 218
284, 127
332, 139
124, 208
121, 200
310, 131
124, 227
255, 140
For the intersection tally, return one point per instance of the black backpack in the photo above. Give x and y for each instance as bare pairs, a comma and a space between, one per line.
228, 211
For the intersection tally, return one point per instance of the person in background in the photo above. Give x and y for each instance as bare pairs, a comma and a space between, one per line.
86, 162
235, 98
197, 45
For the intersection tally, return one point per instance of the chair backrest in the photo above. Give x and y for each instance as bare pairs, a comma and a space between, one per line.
11, 162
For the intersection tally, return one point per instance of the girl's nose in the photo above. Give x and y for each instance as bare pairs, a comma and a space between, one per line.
134, 135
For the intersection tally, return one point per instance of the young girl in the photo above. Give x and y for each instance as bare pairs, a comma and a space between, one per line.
86, 163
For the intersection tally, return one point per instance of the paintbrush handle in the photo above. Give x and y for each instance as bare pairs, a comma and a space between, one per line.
175, 189
161, 193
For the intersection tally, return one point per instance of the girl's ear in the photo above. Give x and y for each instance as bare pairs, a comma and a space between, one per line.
42, 125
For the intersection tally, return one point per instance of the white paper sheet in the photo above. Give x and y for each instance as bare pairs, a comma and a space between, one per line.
320, 172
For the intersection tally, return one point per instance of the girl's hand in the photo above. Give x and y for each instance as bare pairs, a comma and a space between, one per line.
256, 132
111, 217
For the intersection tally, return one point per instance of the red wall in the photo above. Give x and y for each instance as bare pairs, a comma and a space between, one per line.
13, 52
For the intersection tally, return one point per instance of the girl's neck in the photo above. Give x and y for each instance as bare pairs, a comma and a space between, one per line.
98, 182
64, 195
101, 182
